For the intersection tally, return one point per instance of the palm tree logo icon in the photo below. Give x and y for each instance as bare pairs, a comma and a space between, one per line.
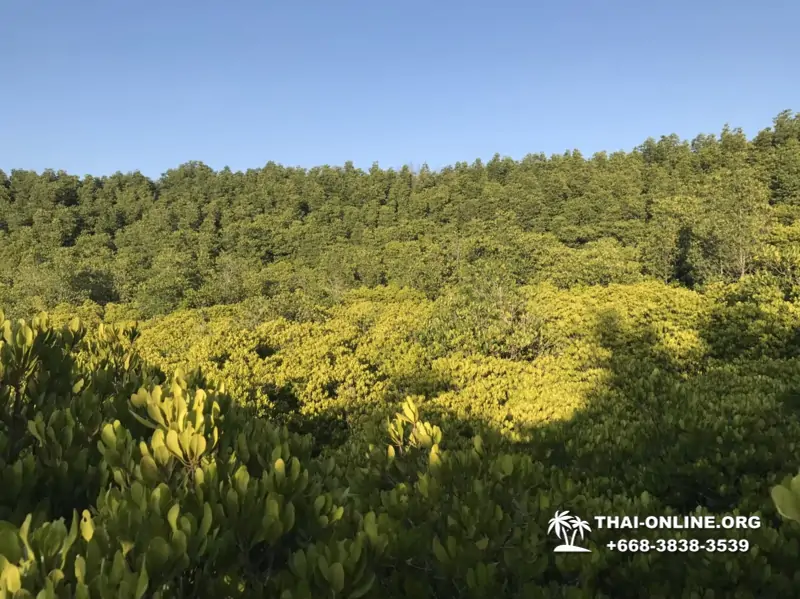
562, 523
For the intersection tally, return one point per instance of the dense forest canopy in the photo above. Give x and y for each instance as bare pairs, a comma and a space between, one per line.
345, 384
691, 213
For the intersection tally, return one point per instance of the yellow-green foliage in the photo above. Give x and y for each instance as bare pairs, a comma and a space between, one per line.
371, 350
375, 347
599, 263
753, 319
166, 460
344, 362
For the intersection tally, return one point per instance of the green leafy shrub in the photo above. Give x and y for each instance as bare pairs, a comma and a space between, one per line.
124, 482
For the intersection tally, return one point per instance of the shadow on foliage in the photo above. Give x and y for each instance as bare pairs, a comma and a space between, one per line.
713, 436
686, 433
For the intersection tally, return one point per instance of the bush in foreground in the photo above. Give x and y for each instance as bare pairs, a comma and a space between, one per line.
119, 481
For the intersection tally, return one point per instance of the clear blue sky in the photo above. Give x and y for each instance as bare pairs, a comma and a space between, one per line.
106, 85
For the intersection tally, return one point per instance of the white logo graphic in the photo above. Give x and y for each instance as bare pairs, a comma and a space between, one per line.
562, 523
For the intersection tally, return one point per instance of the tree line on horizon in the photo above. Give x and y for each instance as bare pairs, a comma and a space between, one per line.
686, 213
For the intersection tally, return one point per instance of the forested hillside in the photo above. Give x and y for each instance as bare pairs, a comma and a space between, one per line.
692, 213
335, 383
